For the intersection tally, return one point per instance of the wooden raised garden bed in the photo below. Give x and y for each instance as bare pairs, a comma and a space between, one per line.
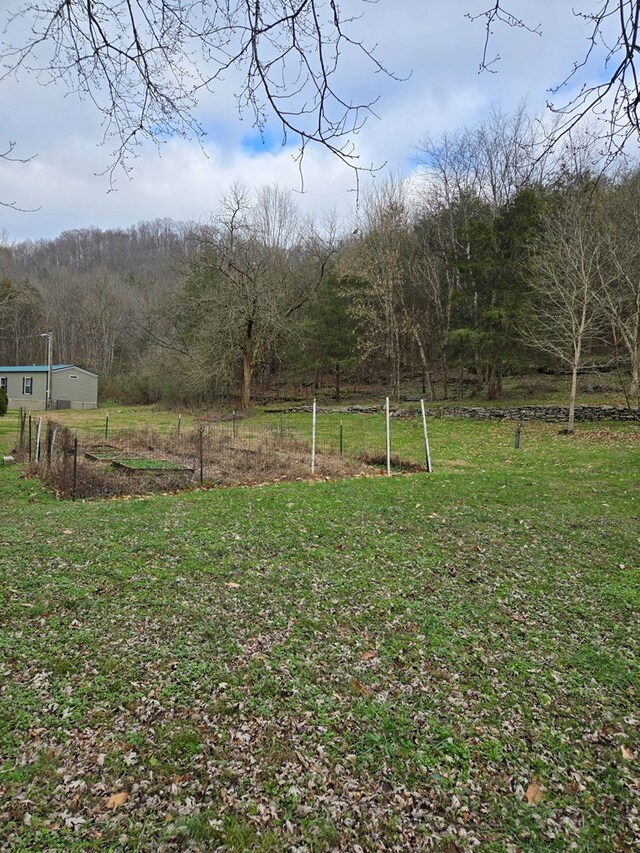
150, 467
104, 453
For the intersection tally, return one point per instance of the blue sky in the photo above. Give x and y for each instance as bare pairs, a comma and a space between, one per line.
432, 44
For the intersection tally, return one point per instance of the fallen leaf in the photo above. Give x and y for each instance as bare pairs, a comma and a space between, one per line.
535, 792
626, 753
116, 800
359, 687
368, 655
232, 585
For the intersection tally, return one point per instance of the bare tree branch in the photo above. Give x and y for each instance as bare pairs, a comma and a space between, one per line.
7, 154
146, 64
613, 28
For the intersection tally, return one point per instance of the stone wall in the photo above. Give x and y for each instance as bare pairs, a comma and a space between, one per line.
553, 414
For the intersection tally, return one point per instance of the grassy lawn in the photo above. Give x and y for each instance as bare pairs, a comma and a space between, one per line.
443, 662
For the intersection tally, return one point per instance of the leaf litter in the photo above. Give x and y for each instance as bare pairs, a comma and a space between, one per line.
269, 691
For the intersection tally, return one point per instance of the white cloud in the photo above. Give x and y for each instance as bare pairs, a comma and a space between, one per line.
433, 41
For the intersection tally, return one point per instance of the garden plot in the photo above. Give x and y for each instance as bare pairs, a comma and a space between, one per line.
144, 461
103, 453
149, 467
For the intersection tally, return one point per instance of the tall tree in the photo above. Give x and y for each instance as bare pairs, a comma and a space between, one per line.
569, 271
621, 294
21, 322
473, 217
258, 265
328, 343
377, 257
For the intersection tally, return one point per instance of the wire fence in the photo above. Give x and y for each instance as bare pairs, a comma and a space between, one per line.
102, 460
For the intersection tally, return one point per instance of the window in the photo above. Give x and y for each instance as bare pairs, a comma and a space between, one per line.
27, 385
3, 383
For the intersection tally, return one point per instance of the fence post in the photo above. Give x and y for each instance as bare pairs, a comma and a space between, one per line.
388, 436
233, 424
179, 419
29, 437
517, 436
22, 419
313, 438
281, 427
426, 436
49, 443
201, 449
341, 433
38, 434
75, 468
106, 426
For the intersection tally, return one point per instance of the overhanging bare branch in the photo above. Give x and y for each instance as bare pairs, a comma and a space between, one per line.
147, 64
613, 52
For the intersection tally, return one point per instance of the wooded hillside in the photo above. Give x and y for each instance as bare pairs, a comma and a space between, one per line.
496, 260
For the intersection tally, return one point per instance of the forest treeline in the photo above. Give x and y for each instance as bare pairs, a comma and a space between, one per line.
496, 257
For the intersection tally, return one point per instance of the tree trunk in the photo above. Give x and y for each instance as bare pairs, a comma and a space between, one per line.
445, 392
492, 390
572, 397
247, 374
577, 353
479, 370
634, 387
426, 381
395, 366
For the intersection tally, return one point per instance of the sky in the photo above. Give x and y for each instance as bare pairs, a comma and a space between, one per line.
432, 47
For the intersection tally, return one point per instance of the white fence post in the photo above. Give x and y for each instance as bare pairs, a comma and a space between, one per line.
426, 437
38, 439
313, 439
388, 429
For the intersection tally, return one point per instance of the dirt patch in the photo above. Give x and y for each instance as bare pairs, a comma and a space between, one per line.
397, 464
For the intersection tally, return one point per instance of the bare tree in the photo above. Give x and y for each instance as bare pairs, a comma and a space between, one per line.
469, 177
5, 252
621, 293
569, 272
145, 64
377, 257
21, 321
258, 264
491, 160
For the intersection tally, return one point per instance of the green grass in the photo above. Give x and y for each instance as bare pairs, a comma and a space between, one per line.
143, 464
383, 662
111, 416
